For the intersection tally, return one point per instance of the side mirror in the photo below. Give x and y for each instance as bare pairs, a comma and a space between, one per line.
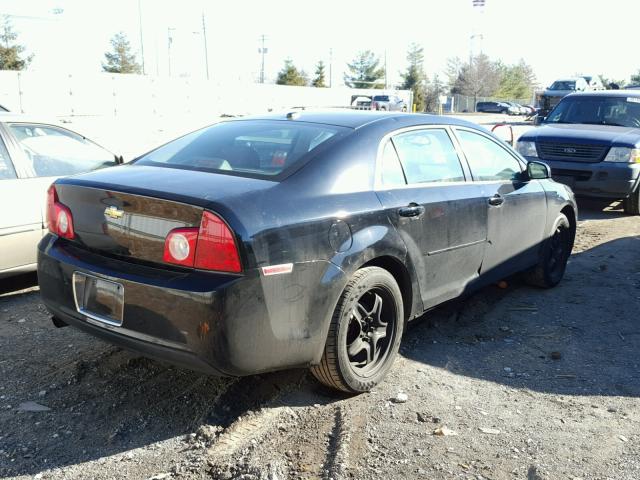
538, 170
539, 120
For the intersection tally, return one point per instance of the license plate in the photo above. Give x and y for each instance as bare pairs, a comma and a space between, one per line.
98, 299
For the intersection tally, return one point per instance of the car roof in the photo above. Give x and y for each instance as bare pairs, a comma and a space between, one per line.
12, 117
358, 118
606, 93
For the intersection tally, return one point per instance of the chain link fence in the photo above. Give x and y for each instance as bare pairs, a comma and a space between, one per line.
467, 104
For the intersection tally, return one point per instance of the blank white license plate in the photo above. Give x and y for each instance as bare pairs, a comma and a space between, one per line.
98, 299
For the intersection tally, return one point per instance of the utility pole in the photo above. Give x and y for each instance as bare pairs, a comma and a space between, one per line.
386, 84
330, 67
141, 39
262, 50
204, 37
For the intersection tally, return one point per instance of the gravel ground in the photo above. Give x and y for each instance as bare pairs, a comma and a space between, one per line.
510, 383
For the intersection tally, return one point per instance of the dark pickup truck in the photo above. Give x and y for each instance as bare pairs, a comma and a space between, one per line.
591, 141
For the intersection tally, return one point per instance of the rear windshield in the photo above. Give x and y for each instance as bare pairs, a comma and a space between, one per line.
247, 148
563, 85
617, 111
381, 98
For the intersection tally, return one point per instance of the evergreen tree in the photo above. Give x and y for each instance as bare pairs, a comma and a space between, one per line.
414, 78
121, 59
290, 75
319, 80
516, 82
10, 58
365, 71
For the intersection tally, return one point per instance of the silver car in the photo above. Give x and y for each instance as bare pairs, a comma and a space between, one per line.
32, 155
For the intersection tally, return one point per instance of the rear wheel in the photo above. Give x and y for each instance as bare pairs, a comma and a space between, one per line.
365, 333
550, 269
632, 202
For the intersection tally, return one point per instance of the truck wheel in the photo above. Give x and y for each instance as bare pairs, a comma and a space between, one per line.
555, 254
365, 333
632, 202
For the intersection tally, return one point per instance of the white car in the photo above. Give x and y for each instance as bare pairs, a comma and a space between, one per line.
32, 155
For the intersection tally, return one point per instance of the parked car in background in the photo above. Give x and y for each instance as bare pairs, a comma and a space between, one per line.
360, 102
558, 90
32, 155
390, 103
193, 254
496, 107
591, 140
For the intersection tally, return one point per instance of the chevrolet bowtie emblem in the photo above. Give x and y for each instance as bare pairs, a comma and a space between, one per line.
113, 212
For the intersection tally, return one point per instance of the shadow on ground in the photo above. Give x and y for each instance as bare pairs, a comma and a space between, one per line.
580, 338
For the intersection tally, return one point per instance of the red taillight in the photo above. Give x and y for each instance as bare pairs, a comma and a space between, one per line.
210, 247
59, 216
217, 248
180, 246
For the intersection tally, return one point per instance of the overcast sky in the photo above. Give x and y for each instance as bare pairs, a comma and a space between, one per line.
556, 37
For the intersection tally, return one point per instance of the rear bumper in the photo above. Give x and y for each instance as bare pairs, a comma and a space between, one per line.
211, 322
599, 179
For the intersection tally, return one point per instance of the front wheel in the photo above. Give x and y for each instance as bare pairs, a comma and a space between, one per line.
365, 333
632, 202
550, 269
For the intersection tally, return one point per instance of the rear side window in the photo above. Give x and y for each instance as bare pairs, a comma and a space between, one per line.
6, 168
488, 160
249, 148
391, 175
428, 156
381, 98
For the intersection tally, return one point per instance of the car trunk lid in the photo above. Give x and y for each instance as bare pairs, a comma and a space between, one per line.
130, 210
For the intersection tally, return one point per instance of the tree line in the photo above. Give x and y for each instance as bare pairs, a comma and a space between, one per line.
480, 76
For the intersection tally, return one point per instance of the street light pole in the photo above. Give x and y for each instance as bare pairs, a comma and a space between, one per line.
141, 39
169, 41
204, 37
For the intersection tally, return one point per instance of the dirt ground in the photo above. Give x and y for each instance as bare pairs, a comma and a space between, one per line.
525, 383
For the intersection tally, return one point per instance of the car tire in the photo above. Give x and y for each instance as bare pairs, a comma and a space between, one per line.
555, 254
404, 108
369, 316
631, 204
382, 109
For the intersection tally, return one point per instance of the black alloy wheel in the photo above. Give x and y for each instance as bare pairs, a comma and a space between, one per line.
364, 334
555, 255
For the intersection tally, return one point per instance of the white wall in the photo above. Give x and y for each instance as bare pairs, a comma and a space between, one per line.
130, 114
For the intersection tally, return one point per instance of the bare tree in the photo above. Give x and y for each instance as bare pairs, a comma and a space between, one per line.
478, 78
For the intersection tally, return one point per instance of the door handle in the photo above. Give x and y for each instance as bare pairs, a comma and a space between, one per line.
412, 210
496, 200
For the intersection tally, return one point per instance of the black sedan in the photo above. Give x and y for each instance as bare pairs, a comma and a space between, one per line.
305, 239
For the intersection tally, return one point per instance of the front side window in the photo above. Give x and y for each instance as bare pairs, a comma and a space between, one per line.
55, 152
250, 148
6, 167
428, 156
488, 160
598, 110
